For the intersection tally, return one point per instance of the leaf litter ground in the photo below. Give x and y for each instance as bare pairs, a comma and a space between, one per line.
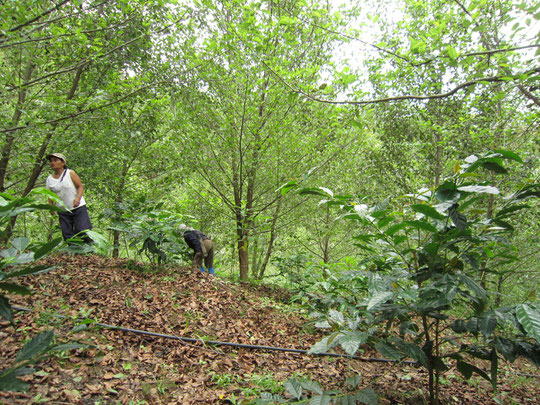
129, 368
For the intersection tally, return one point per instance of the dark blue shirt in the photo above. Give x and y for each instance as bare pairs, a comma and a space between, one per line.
192, 239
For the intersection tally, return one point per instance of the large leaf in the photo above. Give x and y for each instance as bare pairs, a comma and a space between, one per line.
20, 243
354, 380
320, 191
388, 351
67, 346
320, 400
30, 270
467, 370
509, 210
395, 228
11, 383
474, 287
5, 309
348, 399
459, 220
509, 155
352, 340
479, 189
15, 288
529, 351
47, 248
293, 387
506, 348
35, 347
101, 243
320, 347
367, 396
529, 318
425, 226
335, 318
413, 351
494, 167
378, 299
427, 210
312, 386
487, 324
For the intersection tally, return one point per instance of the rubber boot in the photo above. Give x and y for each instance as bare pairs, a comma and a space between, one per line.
211, 271
202, 269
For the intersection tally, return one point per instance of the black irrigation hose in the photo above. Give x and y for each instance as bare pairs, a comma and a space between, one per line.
245, 346
242, 345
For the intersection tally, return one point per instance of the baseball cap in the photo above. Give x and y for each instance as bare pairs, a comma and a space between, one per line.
57, 155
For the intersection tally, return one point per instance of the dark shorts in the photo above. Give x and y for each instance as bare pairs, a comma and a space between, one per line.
71, 223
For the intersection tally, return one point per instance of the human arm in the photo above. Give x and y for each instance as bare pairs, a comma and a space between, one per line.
78, 186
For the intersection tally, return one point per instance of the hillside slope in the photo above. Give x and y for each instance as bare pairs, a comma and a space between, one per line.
130, 368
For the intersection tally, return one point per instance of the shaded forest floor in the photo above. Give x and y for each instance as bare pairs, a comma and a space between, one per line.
129, 368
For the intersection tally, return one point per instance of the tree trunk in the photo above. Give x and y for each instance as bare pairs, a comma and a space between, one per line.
270, 246
243, 256
116, 244
10, 137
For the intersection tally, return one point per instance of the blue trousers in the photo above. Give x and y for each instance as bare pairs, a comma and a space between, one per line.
71, 223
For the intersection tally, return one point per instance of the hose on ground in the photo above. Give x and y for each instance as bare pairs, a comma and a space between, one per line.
231, 344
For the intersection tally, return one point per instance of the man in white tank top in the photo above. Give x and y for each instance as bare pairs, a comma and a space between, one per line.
68, 186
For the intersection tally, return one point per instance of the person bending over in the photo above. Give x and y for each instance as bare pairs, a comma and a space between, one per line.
203, 248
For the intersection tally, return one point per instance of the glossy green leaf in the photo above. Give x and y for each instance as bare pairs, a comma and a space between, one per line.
367, 396
529, 318
47, 248
312, 386
479, 189
5, 309
351, 341
35, 347
506, 348
11, 383
458, 219
294, 388
487, 324
423, 225
509, 155
467, 370
388, 351
15, 288
427, 211
320, 400
378, 299
20, 243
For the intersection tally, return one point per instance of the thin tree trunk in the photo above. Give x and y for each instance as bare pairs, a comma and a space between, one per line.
10, 137
270, 247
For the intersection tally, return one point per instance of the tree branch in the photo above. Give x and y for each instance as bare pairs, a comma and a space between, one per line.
36, 18
494, 79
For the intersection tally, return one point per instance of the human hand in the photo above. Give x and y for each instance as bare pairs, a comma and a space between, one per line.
76, 202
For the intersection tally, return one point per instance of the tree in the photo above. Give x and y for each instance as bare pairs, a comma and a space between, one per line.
242, 128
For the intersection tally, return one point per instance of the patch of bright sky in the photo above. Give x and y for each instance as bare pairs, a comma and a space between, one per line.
376, 15
368, 27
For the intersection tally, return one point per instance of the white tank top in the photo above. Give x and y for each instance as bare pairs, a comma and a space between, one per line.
64, 188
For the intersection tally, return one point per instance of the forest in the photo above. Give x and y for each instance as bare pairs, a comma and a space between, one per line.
367, 171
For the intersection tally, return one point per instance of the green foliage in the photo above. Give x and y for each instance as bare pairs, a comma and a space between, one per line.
305, 391
18, 260
429, 261
34, 350
150, 229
